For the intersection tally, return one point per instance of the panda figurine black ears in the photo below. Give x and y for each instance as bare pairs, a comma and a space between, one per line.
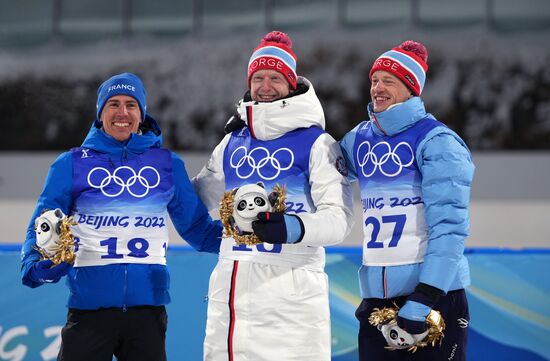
47, 227
56, 213
60, 216
273, 197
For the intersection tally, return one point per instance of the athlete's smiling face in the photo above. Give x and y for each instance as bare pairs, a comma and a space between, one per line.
267, 85
386, 89
121, 116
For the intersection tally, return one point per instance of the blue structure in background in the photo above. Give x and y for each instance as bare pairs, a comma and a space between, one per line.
509, 304
36, 22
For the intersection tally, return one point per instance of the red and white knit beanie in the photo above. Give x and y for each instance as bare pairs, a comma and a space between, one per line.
408, 62
274, 52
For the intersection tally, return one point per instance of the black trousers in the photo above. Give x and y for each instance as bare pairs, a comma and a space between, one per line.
454, 309
133, 334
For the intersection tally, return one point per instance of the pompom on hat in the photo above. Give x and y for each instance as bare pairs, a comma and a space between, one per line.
274, 52
408, 62
122, 84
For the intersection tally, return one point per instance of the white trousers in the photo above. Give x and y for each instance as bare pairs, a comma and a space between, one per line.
260, 312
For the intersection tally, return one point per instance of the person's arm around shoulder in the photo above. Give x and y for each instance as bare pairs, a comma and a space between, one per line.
189, 214
331, 193
210, 182
56, 193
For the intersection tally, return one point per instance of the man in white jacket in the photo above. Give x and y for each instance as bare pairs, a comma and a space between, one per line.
270, 301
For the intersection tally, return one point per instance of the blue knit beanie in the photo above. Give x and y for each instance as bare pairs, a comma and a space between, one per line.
121, 84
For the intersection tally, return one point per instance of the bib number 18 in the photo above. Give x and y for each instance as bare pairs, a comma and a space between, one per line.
137, 246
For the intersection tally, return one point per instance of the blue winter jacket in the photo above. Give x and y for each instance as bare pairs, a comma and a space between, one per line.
123, 284
446, 169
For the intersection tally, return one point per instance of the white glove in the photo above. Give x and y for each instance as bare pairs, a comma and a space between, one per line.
397, 338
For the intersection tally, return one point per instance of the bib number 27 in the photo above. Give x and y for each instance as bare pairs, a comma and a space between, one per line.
398, 222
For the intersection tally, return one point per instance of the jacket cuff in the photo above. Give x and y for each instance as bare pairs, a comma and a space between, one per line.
426, 294
294, 228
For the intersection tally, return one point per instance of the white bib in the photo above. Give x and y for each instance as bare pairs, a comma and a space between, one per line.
108, 238
394, 235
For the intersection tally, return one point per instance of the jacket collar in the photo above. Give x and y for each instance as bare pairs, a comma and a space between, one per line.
399, 117
102, 142
272, 120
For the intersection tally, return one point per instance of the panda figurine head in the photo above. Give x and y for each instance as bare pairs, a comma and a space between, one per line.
250, 200
47, 227
397, 338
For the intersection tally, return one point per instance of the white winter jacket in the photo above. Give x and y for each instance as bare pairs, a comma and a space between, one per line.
330, 217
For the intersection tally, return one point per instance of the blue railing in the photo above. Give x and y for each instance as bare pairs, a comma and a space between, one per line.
12, 247
508, 301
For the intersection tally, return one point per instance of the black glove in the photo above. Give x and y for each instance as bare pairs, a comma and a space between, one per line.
42, 271
234, 123
278, 228
412, 316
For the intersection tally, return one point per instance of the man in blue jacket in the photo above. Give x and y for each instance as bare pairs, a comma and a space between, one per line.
120, 187
414, 176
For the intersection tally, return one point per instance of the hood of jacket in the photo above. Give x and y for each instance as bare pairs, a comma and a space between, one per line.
272, 120
150, 137
398, 117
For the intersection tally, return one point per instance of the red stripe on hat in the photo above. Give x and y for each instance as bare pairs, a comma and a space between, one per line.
394, 67
274, 63
416, 58
386, 62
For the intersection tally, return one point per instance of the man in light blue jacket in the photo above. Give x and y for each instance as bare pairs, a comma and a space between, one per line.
415, 176
120, 187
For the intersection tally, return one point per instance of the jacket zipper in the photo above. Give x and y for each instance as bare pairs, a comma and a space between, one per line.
378, 124
384, 282
125, 288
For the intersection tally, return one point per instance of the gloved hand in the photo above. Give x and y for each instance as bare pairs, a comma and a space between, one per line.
412, 316
278, 228
234, 123
234, 224
42, 271
397, 338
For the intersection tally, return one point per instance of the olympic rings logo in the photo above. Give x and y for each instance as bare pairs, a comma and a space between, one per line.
117, 179
246, 163
383, 158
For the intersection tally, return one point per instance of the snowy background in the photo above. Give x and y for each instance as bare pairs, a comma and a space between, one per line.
490, 84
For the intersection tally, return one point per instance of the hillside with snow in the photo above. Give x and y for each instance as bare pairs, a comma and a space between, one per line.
492, 88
